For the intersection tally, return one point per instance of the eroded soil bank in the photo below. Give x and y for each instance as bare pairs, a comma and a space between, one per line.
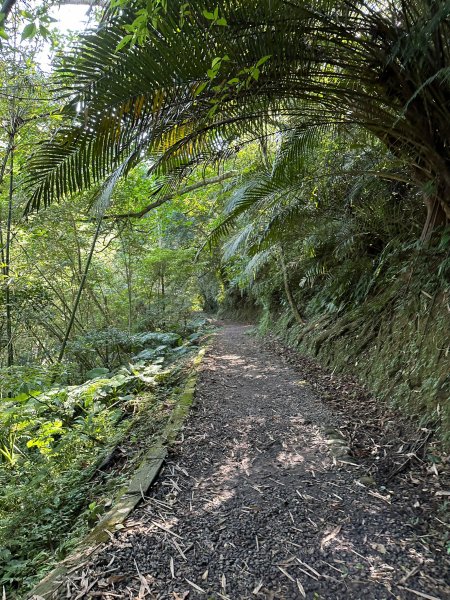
253, 504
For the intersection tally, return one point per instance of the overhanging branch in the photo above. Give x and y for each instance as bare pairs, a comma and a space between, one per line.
6, 8
190, 188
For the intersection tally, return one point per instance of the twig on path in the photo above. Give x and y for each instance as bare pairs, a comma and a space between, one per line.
316, 573
312, 522
419, 445
286, 574
386, 499
408, 575
307, 573
421, 594
255, 591
293, 544
142, 492
166, 530
160, 504
177, 547
195, 586
335, 568
347, 462
144, 587
301, 589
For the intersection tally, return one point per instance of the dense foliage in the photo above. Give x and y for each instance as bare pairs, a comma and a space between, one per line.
284, 162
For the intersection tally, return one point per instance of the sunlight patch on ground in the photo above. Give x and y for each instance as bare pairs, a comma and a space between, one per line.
290, 458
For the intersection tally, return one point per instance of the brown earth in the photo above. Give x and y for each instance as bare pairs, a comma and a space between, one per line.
275, 493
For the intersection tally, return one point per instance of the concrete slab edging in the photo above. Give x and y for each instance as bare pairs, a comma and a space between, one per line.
141, 480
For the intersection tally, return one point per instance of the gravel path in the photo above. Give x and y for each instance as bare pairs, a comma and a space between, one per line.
251, 503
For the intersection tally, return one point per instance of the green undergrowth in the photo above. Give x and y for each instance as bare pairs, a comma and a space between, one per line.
68, 451
239, 306
396, 341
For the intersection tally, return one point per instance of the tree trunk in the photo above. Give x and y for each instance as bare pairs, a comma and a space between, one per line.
287, 288
9, 333
129, 281
438, 213
80, 291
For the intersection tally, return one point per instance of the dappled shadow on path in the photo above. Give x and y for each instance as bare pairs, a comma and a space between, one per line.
251, 505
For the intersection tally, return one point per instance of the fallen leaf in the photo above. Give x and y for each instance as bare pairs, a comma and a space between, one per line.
257, 588
195, 586
330, 536
379, 548
144, 589
301, 588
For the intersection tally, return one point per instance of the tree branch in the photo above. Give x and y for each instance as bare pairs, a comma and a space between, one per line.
190, 188
102, 3
6, 8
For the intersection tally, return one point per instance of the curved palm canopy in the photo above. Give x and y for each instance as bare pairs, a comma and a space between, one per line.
201, 84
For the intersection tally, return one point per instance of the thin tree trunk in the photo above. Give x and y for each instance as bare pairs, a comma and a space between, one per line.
128, 279
80, 291
163, 292
129, 292
40, 344
4, 163
6, 160
287, 288
436, 216
6, 271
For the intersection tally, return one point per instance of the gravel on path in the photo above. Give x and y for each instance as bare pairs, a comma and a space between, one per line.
252, 505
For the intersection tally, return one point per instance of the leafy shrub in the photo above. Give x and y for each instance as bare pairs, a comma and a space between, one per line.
50, 445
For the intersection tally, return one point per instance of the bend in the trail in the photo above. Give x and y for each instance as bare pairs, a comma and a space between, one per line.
252, 505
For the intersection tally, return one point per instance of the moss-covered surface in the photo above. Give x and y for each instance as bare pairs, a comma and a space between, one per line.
397, 343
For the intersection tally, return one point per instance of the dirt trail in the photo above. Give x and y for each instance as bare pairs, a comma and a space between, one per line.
252, 505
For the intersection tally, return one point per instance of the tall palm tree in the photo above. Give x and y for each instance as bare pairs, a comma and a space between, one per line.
201, 84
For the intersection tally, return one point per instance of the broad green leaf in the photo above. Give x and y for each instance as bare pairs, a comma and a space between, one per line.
123, 42
263, 60
29, 31
44, 31
200, 88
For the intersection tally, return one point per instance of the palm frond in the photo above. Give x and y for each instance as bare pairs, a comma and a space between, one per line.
331, 64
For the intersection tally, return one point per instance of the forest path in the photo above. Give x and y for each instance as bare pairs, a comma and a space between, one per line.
252, 505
